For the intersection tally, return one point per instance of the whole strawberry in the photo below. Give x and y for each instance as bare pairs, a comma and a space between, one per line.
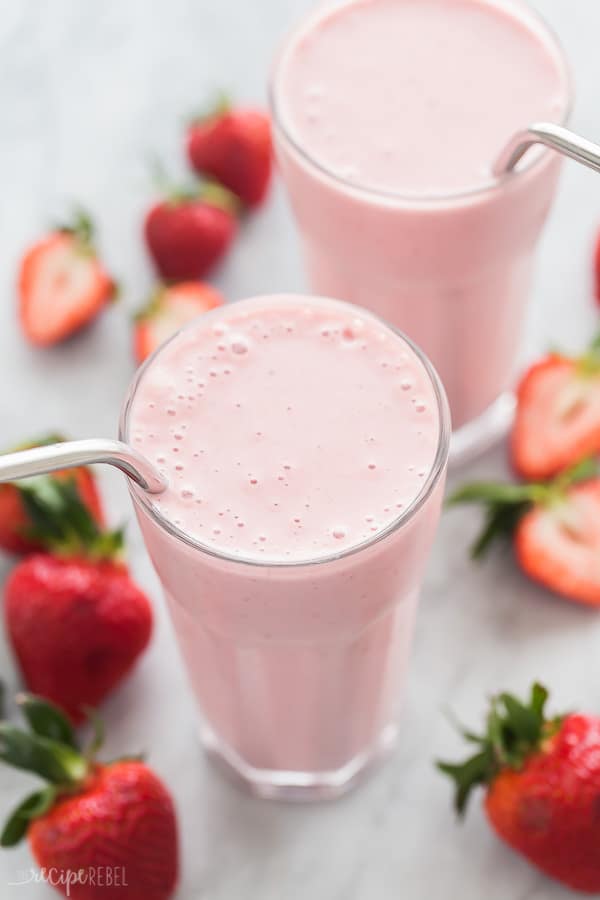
234, 146
62, 283
555, 528
189, 233
107, 831
557, 420
542, 782
15, 522
170, 307
75, 619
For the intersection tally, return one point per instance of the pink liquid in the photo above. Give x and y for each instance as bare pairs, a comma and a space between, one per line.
391, 114
291, 430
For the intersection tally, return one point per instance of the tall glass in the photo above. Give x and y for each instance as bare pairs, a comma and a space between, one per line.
453, 271
297, 667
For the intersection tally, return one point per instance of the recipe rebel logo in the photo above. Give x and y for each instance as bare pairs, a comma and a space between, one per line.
92, 876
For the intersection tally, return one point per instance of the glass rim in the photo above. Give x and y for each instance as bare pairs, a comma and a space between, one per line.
438, 465
495, 183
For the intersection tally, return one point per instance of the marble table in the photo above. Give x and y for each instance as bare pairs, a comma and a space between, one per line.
88, 92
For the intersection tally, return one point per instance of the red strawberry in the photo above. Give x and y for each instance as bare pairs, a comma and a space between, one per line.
234, 146
189, 233
555, 526
14, 519
76, 621
106, 831
170, 307
62, 284
558, 414
542, 781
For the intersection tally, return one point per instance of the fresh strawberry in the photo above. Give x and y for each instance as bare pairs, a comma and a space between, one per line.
234, 146
62, 284
170, 307
542, 781
558, 414
76, 621
555, 528
106, 830
14, 519
189, 233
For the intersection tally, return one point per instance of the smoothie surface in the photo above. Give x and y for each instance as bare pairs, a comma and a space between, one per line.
288, 428
417, 97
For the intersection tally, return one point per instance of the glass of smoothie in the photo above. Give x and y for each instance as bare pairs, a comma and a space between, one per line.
389, 116
304, 443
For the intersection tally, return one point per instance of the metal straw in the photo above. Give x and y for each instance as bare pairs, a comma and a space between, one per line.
69, 454
554, 136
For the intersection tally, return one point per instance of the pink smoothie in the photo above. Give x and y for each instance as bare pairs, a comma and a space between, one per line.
303, 444
390, 115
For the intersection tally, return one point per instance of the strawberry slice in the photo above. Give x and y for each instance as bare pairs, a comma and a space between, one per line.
558, 414
234, 146
558, 544
169, 309
555, 528
15, 522
62, 284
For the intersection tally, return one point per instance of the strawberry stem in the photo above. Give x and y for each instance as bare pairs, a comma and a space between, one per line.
506, 504
61, 522
514, 730
51, 751
81, 227
220, 106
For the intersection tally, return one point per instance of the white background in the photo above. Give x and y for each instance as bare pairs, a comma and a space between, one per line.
88, 92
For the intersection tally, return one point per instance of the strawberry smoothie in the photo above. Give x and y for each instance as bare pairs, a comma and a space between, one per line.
305, 444
389, 117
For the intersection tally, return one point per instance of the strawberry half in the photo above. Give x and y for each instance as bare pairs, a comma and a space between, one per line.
555, 528
234, 146
15, 522
190, 232
107, 829
542, 780
62, 284
171, 307
76, 621
558, 414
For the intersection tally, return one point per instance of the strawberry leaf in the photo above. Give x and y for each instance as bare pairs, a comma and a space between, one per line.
47, 720
514, 731
51, 760
466, 777
32, 807
62, 522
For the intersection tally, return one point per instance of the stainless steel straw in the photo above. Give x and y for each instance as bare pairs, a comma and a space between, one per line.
66, 455
554, 136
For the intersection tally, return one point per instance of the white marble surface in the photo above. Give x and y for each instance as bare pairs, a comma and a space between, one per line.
88, 91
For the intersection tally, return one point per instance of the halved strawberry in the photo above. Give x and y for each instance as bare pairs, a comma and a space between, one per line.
170, 307
558, 414
15, 522
555, 527
62, 284
234, 146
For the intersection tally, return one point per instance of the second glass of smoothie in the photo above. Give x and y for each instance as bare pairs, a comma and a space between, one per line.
304, 443
389, 116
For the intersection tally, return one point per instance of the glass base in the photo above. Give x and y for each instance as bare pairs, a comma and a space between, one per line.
275, 784
482, 433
